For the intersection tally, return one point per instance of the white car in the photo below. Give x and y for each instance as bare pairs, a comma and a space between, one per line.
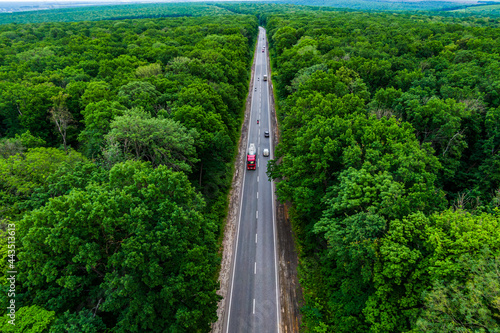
265, 152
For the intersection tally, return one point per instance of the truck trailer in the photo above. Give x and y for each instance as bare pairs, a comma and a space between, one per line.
251, 157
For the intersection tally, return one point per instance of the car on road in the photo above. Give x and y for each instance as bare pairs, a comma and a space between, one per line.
265, 152
266, 134
262, 50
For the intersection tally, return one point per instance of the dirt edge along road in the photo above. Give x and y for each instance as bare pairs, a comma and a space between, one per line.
291, 298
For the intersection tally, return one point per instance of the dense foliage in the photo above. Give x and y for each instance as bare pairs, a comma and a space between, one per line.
116, 151
389, 5
170, 9
118, 139
389, 157
113, 12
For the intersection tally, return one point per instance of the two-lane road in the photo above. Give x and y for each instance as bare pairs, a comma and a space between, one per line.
253, 295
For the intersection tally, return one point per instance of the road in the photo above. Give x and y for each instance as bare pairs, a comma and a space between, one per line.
253, 294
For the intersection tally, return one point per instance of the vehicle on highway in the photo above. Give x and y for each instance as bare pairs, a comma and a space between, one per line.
251, 157
265, 152
266, 134
265, 77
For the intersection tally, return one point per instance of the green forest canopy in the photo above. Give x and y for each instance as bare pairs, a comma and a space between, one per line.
118, 140
115, 164
389, 156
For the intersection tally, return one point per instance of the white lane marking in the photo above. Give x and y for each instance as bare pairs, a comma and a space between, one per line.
257, 195
257, 179
255, 268
254, 306
256, 238
257, 214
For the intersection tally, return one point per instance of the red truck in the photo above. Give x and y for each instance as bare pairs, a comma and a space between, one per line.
251, 158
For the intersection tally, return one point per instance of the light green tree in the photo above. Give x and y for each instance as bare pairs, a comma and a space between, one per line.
139, 136
33, 319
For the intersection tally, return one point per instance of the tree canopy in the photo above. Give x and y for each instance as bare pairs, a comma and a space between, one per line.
388, 157
118, 139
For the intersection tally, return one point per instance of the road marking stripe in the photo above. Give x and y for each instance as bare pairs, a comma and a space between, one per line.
257, 214
255, 268
254, 306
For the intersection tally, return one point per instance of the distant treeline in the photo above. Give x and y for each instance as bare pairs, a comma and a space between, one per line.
158, 10
115, 12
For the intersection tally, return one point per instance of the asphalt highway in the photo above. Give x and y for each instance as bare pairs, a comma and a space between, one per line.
253, 295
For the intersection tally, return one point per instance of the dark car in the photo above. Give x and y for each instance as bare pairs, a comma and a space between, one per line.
266, 134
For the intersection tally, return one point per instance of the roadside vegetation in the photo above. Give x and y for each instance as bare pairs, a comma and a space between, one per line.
118, 140
389, 157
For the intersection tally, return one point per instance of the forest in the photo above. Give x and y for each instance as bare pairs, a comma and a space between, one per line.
452, 8
118, 139
114, 12
117, 152
389, 160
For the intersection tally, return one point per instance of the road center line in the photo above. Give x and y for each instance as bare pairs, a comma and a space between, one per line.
257, 195
255, 238
254, 306
255, 268
257, 214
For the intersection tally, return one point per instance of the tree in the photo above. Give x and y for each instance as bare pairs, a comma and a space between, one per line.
139, 94
19, 144
161, 141
21, 173
136, 250
212, 147
84, 321
96, 91
33, 106
439, 123
60, 115
97, 119
284, 38
204, 95
148, 70
32, 319
419, 252
465, 306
